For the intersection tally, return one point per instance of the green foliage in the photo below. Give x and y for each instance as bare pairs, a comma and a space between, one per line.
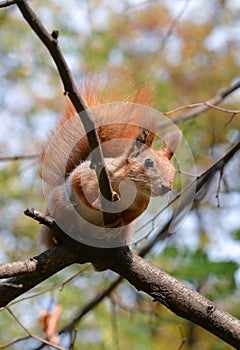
216, 279
236, 234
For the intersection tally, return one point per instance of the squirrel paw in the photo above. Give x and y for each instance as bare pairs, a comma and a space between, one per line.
97, 204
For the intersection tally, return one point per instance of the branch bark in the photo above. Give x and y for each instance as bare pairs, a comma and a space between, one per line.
179, 298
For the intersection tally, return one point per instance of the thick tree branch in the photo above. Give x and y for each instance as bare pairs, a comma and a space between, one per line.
179, 298
162, 287
97, 161
41, 267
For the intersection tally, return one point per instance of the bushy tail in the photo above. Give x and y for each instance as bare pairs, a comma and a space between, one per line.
67, 146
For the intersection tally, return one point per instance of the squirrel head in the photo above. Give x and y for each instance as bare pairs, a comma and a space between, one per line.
151, 171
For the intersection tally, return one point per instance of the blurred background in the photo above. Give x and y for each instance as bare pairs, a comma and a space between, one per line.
186, 51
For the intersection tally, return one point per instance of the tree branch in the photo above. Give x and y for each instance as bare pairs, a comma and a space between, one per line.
97, 161
179, 298
202, 107
21, 157
202, 104
42, 267
7, 3
162, 287
31, 334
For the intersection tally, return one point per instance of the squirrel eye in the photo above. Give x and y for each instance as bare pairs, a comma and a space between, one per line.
148, 163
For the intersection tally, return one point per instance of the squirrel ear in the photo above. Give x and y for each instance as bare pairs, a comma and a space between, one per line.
146, 137
138, 144
171, 142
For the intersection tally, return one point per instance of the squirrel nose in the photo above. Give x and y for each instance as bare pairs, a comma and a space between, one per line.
165, 189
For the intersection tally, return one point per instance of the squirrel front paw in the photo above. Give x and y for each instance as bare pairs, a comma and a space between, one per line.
98, 203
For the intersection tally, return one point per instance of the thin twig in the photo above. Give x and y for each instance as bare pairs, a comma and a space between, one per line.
21, 157
219, 185
230, 120
49, 289
14, 341
202, 107
173, 24
31, 333
7, 3
202, 104
89, 306
183, 338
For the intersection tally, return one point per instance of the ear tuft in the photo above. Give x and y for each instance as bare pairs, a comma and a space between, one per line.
171, 142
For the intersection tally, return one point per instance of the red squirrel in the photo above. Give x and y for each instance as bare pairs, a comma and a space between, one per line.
136, 171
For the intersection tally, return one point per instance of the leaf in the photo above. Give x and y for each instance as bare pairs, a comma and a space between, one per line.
49, 323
